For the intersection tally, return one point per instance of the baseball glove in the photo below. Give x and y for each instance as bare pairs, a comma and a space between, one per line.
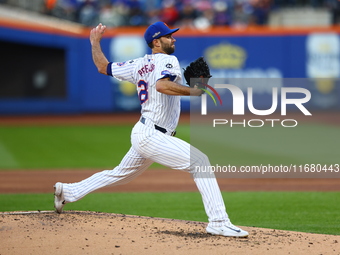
199, 70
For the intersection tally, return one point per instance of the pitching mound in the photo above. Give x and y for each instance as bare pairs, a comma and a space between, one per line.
105, 233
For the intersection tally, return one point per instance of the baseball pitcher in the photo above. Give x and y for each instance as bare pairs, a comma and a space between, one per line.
158, 80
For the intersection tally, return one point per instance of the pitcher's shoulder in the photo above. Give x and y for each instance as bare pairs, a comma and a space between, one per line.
165, 56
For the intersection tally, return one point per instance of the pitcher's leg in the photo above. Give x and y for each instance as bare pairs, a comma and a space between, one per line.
178, 154
129, 168
207, 185
211, 197
219, 222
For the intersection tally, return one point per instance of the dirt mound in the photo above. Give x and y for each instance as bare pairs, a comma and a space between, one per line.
76, 232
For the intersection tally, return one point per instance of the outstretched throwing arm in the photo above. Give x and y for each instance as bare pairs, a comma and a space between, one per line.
98, 56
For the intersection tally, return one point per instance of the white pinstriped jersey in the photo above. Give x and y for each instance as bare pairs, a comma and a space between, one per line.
162, 109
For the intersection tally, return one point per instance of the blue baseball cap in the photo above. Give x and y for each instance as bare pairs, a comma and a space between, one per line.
157, 30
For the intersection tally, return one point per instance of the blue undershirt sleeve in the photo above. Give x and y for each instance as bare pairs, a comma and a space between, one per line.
109, 69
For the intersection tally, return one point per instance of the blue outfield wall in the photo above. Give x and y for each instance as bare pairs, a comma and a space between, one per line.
238, 56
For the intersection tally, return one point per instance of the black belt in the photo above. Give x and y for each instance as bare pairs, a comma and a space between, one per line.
163, 130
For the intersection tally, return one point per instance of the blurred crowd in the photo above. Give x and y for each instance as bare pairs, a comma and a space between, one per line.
184, 13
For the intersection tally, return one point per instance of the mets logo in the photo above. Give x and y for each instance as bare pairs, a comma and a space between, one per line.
121, 63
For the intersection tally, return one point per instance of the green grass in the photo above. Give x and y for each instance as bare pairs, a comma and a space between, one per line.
53, 147
79, 147
313, 212
304, 144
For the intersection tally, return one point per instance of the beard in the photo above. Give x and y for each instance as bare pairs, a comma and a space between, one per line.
168, 49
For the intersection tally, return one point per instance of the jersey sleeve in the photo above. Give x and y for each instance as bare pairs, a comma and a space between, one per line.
169, 68
122, 71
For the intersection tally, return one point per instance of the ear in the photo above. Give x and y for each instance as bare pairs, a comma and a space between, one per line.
156, 43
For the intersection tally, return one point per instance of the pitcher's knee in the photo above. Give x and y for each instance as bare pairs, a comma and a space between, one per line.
199, 160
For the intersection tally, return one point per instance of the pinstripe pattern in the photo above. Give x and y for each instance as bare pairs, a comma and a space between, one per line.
130, 167
150, 145
163, 109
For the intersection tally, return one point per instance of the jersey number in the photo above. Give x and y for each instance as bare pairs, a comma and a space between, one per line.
143, 92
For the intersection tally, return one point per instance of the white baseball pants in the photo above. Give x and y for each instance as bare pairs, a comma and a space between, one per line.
150, 145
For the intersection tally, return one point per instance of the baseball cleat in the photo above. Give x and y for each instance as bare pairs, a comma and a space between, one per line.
227, 230
59, 200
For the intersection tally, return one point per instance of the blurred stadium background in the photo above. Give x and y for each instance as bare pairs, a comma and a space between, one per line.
47, 68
